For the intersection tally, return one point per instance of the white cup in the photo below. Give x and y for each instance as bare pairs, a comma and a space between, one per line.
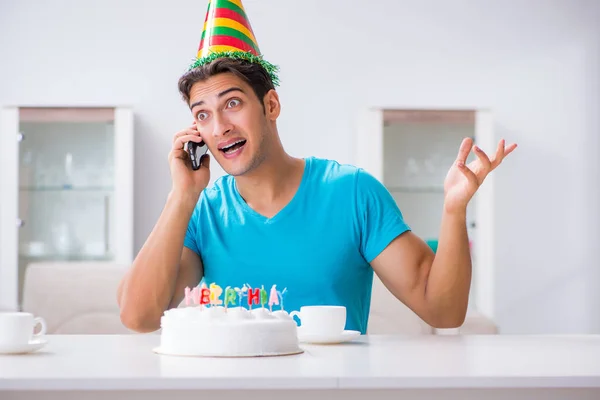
321, 320
18, 328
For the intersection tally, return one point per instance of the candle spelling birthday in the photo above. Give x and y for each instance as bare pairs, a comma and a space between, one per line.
214, 295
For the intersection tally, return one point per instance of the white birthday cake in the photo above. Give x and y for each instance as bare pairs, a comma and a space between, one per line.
215, 327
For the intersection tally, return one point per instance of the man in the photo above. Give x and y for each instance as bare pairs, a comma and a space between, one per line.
310, 225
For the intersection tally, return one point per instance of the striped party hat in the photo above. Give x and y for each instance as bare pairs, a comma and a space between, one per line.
227, 33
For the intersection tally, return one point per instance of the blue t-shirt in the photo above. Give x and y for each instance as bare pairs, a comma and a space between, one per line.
319, 246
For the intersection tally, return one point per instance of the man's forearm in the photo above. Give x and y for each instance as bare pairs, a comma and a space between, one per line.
449, 279
147, 289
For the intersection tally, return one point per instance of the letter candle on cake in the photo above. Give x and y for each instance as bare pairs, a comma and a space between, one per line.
204, 296
273, 298
188, 295
253, 296
215, 293
196, 295
241, 292
263, 296
244, 292
281, 296
230, 296
238, 291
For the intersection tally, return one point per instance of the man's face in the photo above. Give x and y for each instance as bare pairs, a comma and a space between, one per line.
231, 121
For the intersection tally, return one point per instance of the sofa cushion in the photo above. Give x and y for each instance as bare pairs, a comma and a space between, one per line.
75, 297
390, 316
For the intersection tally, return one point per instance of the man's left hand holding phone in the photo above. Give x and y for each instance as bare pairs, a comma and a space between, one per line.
189, 163
196, 152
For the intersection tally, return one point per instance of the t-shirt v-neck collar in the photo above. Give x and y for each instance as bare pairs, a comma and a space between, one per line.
287, 208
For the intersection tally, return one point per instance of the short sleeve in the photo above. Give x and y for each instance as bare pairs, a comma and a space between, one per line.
191, 235
379, 216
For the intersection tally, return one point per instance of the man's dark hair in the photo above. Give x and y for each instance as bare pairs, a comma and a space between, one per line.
254, 74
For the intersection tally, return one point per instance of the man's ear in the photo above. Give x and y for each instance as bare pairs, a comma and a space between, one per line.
272, 105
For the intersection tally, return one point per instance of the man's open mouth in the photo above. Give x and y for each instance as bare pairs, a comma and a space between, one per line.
233, 147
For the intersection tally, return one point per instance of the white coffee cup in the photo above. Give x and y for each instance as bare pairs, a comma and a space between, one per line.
321, 320
18, 328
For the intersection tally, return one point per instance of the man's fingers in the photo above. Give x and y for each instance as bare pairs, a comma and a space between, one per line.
485, 161
178, 143
205, 161
501, 152
464, 150
510, 149
499, 156
181, 154
186, 132
470, 175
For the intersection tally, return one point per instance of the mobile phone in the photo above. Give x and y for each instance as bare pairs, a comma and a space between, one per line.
196, 151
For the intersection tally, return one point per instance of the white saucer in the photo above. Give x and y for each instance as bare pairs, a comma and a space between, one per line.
159, 350
30, 347
345, 336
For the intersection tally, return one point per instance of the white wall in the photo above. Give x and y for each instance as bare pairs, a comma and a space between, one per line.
535, 63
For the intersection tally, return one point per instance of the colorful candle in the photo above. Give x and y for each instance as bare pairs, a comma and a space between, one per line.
273, 298
281, 296
241, 292
263, 296
196, 295
188, 296
253, 296
244, 291
215, 293
200, 302
230, 296
204, 296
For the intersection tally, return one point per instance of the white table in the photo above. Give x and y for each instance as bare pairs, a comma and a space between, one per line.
373, 367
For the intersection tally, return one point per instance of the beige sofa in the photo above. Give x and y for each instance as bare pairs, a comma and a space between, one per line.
80, 298
388, 315
75, 297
